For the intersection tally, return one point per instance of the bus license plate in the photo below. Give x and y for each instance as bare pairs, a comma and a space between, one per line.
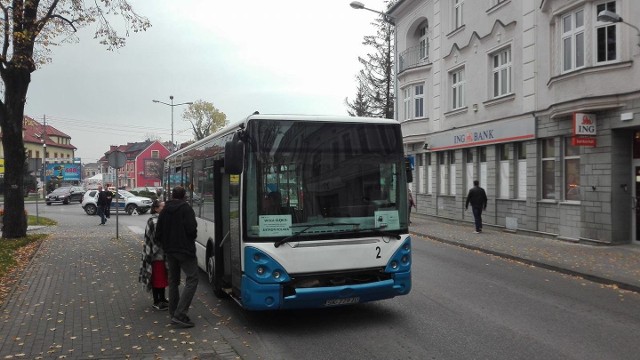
346, 301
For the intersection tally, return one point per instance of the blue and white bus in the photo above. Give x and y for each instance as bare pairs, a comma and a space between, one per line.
299, 211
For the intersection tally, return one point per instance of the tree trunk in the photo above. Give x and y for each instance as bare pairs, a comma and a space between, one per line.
11, 118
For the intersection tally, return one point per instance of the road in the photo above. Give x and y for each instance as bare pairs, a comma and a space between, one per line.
463, 305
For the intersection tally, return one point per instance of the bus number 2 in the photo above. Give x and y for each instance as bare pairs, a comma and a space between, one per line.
378, 254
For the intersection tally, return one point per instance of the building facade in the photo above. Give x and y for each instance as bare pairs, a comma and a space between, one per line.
143, 166
531, 98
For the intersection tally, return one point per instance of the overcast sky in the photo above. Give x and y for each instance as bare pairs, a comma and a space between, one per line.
279, 57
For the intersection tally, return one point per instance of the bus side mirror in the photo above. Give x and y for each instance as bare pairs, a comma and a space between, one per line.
233, 156
409, 172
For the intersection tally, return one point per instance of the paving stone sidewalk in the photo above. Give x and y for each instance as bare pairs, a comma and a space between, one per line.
80, 299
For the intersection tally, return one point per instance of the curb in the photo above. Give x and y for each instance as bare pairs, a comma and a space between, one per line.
586, 276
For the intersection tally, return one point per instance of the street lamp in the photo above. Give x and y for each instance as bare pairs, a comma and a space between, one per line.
44, 168
172, 106
610, 16
392, 21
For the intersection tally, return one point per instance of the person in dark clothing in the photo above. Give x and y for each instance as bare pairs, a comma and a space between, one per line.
103, 204
176, 233
477, 197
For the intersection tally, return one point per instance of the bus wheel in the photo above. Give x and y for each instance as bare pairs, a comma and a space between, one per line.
214, 272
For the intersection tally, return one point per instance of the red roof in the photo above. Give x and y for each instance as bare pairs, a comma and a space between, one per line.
34, 132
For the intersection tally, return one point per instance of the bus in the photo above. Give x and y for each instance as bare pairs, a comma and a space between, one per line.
299, 211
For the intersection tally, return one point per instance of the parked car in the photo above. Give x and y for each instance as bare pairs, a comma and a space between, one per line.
65, 195
126, 201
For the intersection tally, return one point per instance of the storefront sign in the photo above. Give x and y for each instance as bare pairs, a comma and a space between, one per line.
583, 141
492, 133
584, 124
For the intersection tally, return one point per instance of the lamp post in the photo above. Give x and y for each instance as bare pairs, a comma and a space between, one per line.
391, 21
610, 16
172, 106
44, 169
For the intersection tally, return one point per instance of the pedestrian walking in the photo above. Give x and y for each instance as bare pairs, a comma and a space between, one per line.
104, 204
477, 197
411, 203
153, 273
176, 232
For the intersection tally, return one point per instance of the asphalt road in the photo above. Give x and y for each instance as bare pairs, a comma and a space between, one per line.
463, 305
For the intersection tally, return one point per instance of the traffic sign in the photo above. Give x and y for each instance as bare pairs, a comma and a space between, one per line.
117, 159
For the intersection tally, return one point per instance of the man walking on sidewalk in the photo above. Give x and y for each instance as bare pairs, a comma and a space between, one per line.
477, 197
176, 232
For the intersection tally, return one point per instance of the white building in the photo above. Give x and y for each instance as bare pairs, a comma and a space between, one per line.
495, 90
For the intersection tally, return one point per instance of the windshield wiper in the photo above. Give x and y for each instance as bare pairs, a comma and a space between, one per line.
379, 231
307, 227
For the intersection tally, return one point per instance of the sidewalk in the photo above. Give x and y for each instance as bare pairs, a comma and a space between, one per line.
617, 265
79, 298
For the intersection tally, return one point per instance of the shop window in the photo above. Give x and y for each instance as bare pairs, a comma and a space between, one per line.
469, 169
521, 180
571, 171
429, 174
442, 168
505, 168
548, 168
452, 172
482, 158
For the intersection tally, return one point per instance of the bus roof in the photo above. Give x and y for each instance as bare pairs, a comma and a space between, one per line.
310, 118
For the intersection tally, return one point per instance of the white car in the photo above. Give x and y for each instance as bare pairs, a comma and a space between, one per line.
126, 201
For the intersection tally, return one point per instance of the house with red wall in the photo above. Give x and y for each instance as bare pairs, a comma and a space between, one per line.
143, 167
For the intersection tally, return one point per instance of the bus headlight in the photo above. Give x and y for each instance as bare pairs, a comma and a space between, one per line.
401, 259
262, 268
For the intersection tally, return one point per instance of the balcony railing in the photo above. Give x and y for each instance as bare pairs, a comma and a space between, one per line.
413, 57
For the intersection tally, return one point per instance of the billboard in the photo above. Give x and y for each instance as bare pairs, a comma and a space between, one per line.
63, 172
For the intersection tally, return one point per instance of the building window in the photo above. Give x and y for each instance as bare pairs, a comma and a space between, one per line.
458, 21
502, 73
606, 35
548, 168
423, 42
571, 171
521, 155
407, 103
457, 89
573, 40
505, 162
452, 172
469, 169
419, 101
155, 154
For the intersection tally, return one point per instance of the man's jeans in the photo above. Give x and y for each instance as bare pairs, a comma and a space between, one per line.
103, 218
179, 304
477, 216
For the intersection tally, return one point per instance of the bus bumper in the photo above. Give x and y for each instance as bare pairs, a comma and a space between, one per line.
257, 296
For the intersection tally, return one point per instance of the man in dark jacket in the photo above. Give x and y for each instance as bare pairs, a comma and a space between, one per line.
104, 204
477, 197
176, 232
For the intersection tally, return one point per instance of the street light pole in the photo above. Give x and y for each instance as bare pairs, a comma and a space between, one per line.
172, 105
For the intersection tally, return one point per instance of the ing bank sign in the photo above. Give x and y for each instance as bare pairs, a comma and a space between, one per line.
485, 134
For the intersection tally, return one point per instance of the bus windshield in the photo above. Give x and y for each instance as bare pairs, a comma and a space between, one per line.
320, 180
